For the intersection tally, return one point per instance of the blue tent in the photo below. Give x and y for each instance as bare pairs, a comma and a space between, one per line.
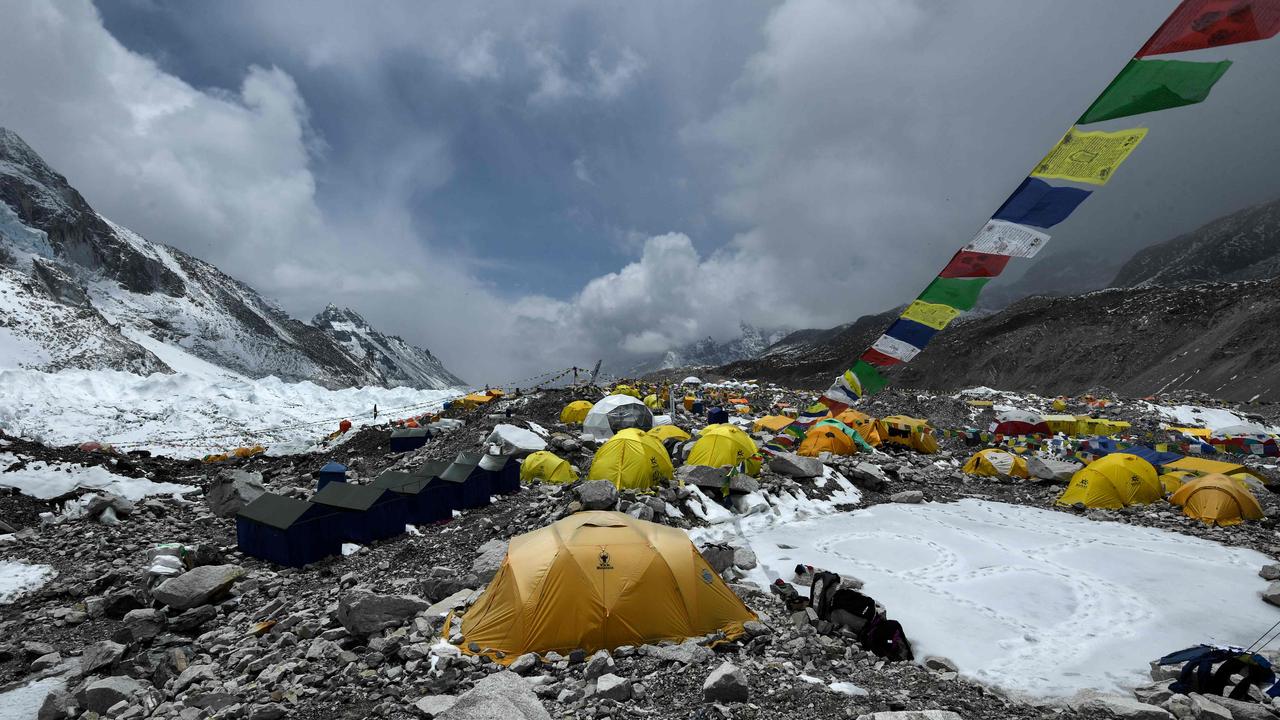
503, 472
331, 472
717, 416
475, 483
422, 505
365, 513
286, 531
408, 439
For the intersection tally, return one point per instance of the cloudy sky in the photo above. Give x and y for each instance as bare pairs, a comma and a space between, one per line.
520, 187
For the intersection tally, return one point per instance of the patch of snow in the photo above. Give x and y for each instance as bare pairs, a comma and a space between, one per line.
23, 703
351, 549
1036, 602
849, 688
44, 480
19, 578
1197, 416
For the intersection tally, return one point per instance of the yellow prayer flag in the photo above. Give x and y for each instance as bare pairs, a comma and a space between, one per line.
1089, 157
932, 314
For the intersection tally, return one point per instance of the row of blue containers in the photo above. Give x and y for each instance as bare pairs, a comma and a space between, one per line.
292, 532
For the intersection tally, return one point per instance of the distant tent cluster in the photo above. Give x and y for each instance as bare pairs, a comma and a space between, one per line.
293, 532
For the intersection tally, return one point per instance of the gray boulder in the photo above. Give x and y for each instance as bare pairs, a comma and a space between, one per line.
612, 687
597, 495
99, 655
362, 613
744, 558
192, 675
100, 695
144, 623
867, 476
1121, 708
231, 490
525, 663
1203, 708
501, 695
688, 653
718, 556
489, 559
641, 511
1270, 572
1272, 593
796, 466
703, 476
56, 706
909, 497
726, 683
1241, 710
197, 586
434, 705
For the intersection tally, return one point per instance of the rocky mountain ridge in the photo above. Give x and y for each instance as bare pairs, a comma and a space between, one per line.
79, 291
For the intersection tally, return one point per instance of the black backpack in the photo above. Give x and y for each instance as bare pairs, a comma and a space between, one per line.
885, 638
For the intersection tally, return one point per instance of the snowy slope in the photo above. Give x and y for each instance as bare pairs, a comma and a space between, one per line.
396, 361
77, 290
710, 352
193, 412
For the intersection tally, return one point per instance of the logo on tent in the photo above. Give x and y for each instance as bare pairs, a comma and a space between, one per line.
604, 561
707, 577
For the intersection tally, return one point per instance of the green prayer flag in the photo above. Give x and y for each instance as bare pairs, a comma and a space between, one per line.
868, 377
1149, 85
959, 293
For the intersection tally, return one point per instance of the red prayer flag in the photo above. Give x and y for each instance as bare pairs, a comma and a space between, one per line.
879, 359
1200, 24
969, 264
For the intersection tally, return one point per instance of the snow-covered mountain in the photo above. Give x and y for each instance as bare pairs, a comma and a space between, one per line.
398, 362
710, 352
79, 291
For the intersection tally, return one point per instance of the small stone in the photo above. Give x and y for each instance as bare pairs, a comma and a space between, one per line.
909, 497
1202, 708
198, 586
597, 495
100, 655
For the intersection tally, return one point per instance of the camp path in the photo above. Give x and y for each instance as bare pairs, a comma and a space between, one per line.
1036, 602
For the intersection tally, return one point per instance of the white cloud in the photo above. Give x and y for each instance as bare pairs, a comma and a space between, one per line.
580, 170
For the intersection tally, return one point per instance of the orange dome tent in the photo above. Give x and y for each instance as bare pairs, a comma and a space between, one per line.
1217, 500
825, 439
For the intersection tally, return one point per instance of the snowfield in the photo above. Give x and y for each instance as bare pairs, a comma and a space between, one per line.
192, 413
49, 480
19, 578
1036, 602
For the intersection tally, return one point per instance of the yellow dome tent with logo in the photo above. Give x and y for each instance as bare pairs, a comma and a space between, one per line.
997, 463
670, 432
597, 581
724, 444
652, 402
1172, 480
1217, 500
632, 460
910, 432
548, 467
626, 390
1112, 482
771, 423
575, 412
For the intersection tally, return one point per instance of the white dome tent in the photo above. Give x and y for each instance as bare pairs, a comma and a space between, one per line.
691, 380
614, 413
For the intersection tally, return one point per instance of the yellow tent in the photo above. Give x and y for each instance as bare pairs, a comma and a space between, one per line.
1203, 466
632, 460
575, 412
1217, 500
725, 444
547, 467
626, 390
825, 438
688, 402
597, 581
1112, 482
1171, 481
911, 433
476, 399
1059, 405
669, 432
870, 429
771, 423
1060, 423
997, 463
1192, 431
651, 401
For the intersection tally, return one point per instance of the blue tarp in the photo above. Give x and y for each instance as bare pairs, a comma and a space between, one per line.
1102, 446
331, 472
